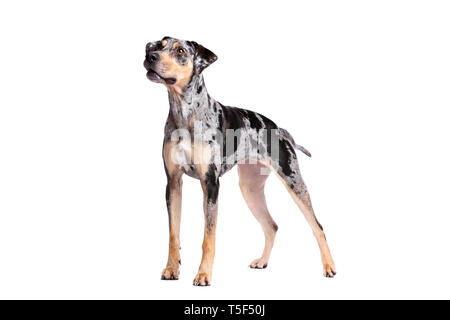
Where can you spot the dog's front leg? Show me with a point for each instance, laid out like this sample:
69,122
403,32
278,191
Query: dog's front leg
173,199
210,187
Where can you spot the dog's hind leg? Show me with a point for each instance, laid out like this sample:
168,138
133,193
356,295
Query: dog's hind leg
288,171
251,182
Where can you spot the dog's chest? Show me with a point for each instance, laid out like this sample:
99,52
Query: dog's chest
182,155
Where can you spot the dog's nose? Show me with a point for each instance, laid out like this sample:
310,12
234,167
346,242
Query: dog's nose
153,57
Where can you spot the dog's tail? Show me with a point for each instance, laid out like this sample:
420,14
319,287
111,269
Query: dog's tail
284,133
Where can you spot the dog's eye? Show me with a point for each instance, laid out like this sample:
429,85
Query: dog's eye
180,51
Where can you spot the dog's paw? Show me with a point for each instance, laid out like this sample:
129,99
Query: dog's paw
202,279
259,264
329,270
170,273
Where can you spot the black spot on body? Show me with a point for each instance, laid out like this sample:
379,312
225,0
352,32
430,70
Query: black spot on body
235,143
233,118
269,124
255,123
199,89
220,118
286,154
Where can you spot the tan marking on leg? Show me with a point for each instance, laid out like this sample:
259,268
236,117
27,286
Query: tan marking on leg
171,272
174,186
252,184
304,203
204,274
202,157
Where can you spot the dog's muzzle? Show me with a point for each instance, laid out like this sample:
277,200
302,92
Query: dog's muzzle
150,65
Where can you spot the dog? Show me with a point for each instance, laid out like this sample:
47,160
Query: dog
204,139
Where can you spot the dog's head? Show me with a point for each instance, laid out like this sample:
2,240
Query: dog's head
173,62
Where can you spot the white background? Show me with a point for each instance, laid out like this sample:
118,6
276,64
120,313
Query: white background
364,85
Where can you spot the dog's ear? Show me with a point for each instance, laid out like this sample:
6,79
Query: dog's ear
202,57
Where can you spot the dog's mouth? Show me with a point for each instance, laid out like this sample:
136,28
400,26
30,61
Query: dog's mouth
152,75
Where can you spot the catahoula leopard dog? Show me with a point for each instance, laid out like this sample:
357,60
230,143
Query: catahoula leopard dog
204,139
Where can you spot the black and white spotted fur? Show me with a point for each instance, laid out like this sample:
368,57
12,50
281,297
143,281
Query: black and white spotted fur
257,139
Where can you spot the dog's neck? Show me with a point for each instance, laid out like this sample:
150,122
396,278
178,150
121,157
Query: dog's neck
190,104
